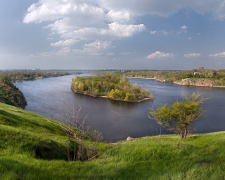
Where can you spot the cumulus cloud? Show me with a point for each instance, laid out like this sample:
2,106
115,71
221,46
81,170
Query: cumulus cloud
82,20
107,20
160,55
192,55
218,55
67,42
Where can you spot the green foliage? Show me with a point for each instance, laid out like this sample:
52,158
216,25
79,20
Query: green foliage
11,95
112,86
179,116
200,157
40,137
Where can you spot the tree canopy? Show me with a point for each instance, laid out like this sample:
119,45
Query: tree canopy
112,86
179,116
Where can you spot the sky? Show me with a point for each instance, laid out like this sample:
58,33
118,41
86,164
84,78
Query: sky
118,34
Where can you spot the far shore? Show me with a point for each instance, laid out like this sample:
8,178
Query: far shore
140,78
177,83
107,97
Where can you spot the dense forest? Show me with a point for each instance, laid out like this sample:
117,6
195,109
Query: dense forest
111,86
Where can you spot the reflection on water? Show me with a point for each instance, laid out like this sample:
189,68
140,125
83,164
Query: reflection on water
118,120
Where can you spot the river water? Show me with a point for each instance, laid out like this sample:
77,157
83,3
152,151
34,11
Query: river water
118,120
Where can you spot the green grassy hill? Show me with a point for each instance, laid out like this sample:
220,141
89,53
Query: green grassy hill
35,147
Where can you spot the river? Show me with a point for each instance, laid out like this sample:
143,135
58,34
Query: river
118,120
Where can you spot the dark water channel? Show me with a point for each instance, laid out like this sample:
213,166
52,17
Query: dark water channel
118,120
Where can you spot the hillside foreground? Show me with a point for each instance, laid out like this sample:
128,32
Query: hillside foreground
34,147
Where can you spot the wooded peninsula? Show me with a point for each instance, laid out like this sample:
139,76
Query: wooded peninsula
195,77
110,86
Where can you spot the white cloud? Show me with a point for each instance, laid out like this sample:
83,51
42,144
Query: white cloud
81,20
97,47
192,55
121,30
107,20
163,32
183,27
166,32
218,55
65,50
67,42
159,55
119,16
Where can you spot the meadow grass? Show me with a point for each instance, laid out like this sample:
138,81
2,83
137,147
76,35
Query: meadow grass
200,156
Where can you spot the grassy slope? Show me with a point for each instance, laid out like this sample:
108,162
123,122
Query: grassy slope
161,157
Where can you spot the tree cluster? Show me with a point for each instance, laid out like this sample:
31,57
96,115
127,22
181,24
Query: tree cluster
113,86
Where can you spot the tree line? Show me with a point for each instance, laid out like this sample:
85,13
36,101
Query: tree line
218,76
29,75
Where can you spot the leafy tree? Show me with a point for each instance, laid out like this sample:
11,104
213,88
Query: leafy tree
179,116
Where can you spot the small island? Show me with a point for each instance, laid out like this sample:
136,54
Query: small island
110,86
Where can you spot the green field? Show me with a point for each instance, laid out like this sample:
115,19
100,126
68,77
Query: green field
34,147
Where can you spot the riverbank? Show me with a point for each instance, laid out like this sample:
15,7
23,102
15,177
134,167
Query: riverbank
10,94
187,82
34,147
107,97
140,78
198,83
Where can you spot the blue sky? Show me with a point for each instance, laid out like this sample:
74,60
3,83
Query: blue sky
120,34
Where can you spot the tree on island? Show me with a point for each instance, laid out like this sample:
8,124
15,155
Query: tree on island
112,86
179,116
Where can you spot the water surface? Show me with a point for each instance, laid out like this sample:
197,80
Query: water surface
118,120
